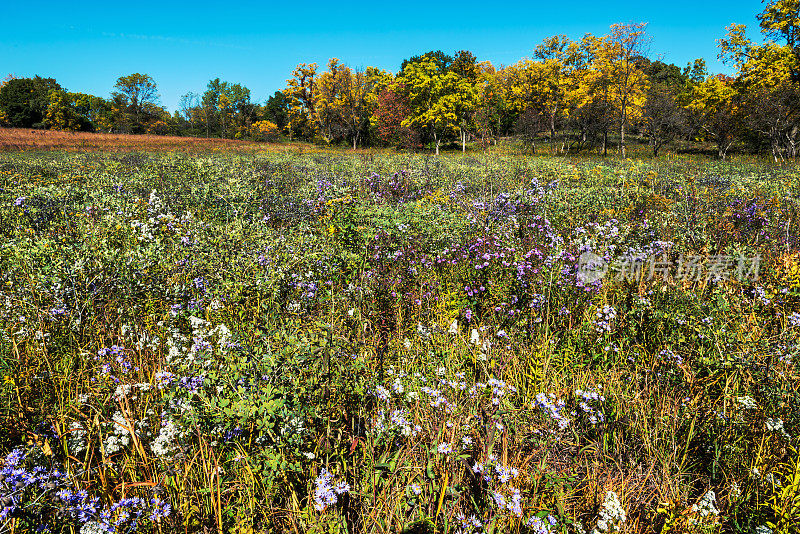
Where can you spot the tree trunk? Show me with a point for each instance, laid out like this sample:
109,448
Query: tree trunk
723,149
622,138
463,141
436,142
791,142
605,142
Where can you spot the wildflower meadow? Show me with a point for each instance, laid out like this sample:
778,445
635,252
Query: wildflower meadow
322,341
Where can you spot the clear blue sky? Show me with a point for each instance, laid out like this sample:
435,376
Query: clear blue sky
86,46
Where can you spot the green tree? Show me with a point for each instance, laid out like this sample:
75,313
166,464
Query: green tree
441,60
135,95
696,72
189,112
277,110
24,101
465,64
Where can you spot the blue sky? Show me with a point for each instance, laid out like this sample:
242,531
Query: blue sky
86,46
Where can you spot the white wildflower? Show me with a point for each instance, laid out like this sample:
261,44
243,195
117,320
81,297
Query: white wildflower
707,505
747,402
611,515
167,439
475,337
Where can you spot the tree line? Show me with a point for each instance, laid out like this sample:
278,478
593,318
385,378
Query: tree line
223,110
588,94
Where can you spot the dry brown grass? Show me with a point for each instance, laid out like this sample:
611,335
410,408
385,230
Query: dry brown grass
15,139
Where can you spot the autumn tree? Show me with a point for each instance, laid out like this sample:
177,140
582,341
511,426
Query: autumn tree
590,104
64,113
433,98
781,20
466,102
300,92
493,117
620,56
391,110
359,100
329,99
520,87
559,57
715,103
766,75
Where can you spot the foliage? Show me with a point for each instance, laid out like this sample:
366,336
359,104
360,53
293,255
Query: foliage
24,101
135,97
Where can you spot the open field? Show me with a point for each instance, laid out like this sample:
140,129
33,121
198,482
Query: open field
16,139
375,342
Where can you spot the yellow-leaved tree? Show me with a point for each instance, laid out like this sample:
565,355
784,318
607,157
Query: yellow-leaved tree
433,98
766,79
559,58
617,60
344,100
714,100
299,92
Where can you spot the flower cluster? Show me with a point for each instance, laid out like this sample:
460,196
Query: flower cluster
611,515
594,414
605,318
38,492
747,402
541,525
468,525
326,493
670,357
552,407
705,509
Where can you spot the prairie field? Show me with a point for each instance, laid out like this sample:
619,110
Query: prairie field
285,339
23,139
